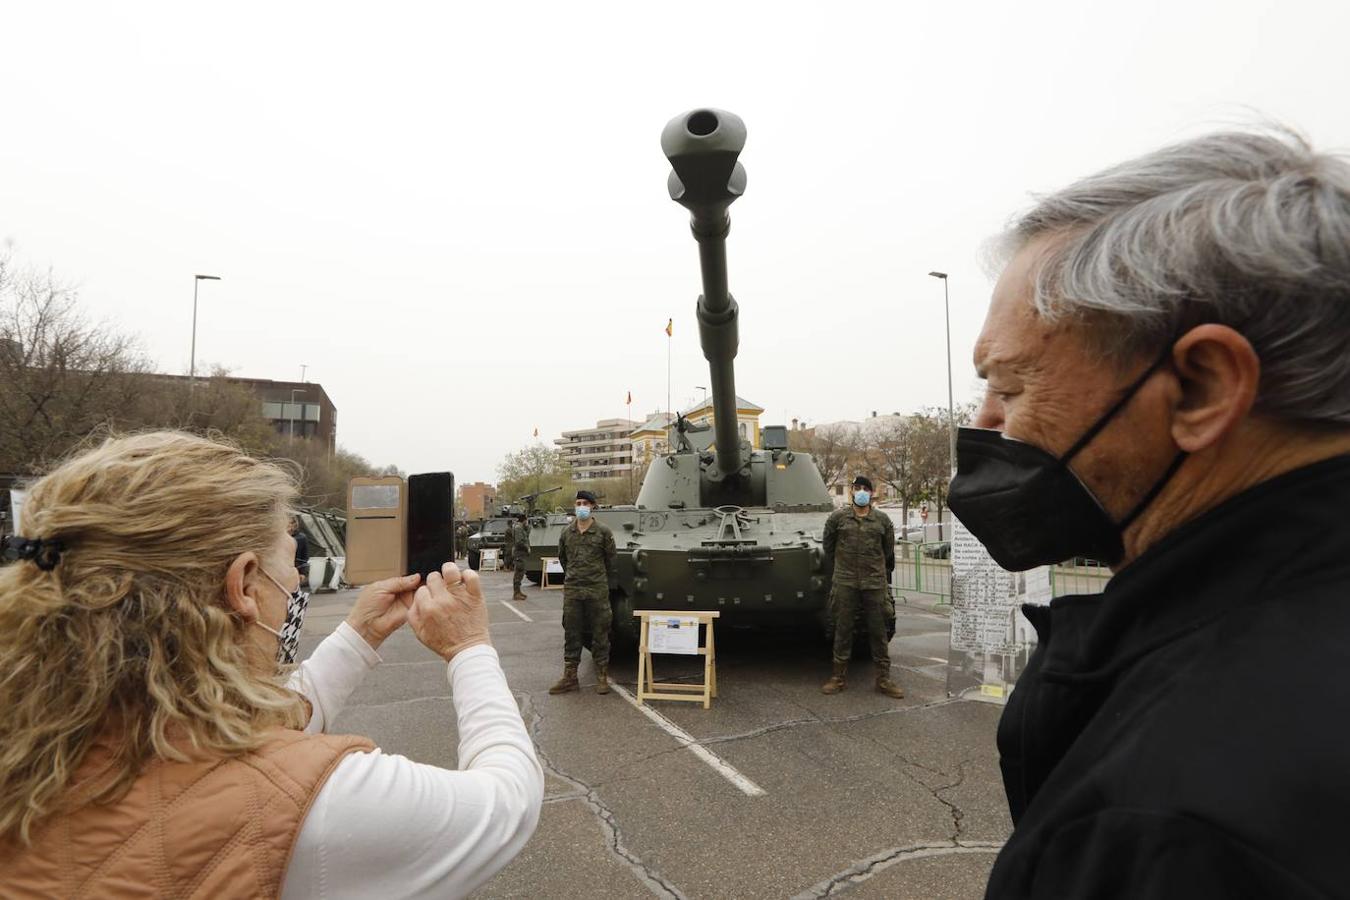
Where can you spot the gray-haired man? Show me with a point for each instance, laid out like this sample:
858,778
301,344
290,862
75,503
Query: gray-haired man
1169,390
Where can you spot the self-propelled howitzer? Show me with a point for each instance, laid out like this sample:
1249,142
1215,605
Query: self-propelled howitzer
729,527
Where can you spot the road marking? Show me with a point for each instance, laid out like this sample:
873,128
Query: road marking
516,611
719,765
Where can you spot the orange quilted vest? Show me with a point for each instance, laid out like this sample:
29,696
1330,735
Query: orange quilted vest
215,828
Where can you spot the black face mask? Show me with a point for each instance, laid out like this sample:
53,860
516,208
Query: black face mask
1028,508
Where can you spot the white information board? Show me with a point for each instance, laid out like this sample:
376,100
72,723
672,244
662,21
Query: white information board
990,638
673,634
553,566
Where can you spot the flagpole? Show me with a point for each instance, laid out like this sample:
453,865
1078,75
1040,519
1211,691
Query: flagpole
632,456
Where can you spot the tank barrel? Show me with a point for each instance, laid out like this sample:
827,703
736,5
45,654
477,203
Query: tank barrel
706,179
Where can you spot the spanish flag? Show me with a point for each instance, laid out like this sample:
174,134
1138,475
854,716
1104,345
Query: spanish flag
630,398
536,432
670,327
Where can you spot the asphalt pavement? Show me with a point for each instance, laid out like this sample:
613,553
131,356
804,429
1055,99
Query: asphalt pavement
776,791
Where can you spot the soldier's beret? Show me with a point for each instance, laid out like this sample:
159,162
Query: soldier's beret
863,481
586,495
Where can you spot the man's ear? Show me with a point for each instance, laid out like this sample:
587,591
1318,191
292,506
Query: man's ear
1219,373
240,581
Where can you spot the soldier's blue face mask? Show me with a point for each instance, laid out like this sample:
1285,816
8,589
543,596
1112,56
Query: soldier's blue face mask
583,512
1028,508
861,497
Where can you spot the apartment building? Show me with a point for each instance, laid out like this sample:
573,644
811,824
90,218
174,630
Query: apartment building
604,450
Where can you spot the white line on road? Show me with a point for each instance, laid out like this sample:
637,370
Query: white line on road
719,765
516,611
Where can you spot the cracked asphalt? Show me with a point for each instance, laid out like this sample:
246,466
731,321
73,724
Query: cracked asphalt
864,796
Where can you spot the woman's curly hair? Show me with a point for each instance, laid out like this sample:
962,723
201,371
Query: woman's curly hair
129,640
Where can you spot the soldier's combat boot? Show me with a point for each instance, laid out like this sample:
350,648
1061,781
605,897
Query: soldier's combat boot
886,686
568,681
602,679
519,595
836,682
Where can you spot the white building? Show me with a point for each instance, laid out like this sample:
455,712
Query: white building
604,450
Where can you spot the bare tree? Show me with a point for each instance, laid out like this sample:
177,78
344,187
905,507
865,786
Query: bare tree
892,456
833,448
61,377
931,440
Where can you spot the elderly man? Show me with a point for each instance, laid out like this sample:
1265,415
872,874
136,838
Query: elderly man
1169,391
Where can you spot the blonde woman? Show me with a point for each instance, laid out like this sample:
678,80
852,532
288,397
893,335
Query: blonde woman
150,742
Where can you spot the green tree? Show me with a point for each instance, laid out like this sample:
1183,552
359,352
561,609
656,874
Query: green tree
530,470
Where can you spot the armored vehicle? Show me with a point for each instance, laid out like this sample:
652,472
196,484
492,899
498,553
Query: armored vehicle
546,528
721,526
491,534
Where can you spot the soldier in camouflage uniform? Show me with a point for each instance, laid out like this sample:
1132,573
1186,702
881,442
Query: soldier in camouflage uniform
508,552
586,551
861,541
520,543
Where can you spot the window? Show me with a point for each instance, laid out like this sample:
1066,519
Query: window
375,496
742,430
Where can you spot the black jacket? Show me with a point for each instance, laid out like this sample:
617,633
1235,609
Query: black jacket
301,552
1187,733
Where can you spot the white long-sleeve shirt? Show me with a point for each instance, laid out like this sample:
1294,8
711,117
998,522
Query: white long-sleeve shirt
385,826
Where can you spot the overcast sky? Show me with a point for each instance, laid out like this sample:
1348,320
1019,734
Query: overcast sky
456,214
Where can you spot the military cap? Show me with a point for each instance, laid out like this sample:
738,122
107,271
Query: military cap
586,495
863,481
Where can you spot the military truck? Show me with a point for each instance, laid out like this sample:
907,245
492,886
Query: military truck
720,526
491,534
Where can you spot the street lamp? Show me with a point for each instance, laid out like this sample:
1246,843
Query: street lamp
293,393
951,414
192,366
699,387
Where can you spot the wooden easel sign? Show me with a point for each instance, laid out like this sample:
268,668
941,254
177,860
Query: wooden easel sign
676,632
488,560
552,575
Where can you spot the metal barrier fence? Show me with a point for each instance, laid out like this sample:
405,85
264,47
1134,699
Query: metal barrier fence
923,569
926,569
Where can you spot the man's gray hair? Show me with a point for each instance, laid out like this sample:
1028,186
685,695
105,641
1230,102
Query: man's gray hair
1250,230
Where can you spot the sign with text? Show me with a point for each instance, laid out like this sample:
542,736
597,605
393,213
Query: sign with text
674,634
991,640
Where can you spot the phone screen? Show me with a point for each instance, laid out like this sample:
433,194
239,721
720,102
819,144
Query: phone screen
431,522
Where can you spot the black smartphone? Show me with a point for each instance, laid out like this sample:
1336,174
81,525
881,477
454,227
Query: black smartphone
431,522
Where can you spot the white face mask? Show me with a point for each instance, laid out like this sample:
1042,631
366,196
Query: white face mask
583,512
288,638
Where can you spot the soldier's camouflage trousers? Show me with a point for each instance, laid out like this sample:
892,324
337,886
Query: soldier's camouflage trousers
848,603
520,571
580,616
